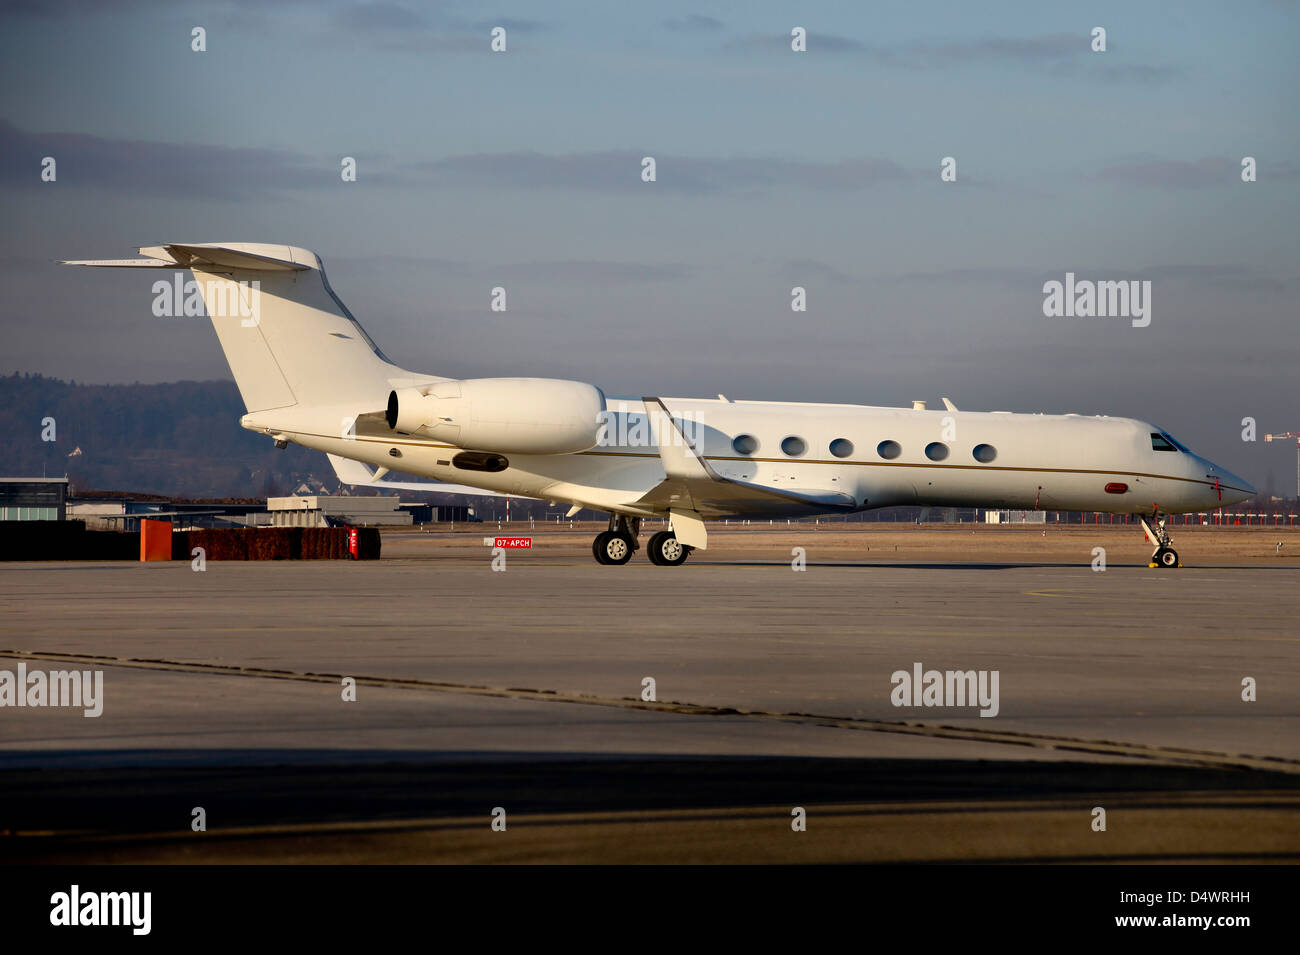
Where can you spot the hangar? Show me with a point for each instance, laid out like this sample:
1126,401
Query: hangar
33,499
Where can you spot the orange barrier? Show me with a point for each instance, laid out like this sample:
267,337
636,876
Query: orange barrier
155,540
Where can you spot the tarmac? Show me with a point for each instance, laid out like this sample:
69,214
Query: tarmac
524,690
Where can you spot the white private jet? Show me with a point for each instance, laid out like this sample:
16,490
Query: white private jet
308,373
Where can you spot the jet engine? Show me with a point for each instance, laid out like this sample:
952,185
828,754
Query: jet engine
511,415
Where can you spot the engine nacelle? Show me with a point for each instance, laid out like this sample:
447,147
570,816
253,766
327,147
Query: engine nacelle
512,415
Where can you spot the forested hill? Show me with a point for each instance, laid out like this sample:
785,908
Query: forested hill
181,439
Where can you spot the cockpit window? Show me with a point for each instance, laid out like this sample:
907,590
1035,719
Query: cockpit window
1162,442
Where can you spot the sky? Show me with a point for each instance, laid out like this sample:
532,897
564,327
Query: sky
774,169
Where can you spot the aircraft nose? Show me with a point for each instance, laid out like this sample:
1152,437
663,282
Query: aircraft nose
1233,488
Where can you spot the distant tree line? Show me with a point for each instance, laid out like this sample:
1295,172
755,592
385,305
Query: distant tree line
177,439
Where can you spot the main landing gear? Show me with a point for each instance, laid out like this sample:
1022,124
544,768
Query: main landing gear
616,545
666,550
1164,554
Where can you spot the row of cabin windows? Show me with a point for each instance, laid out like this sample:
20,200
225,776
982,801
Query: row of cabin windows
794,446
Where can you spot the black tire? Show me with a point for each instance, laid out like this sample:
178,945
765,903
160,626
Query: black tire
612,548
1167,557
652,548
666,551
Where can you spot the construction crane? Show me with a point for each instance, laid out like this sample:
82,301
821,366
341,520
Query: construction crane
1284,436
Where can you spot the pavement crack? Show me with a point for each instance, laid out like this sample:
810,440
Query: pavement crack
1143,751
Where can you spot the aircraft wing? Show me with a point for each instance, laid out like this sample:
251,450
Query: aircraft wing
360,475
691,483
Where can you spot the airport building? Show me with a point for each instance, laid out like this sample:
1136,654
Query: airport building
1015,517
125,514
440,513
330,510
309,510
33,499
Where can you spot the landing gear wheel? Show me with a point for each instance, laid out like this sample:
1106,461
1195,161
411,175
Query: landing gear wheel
1156,530
612,548
666,550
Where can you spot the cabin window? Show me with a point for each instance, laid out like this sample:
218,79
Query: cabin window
889,450
1160,443
984,453
841,447
936,450
794,446
745,444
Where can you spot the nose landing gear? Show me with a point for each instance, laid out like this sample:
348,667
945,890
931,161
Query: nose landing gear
1164,555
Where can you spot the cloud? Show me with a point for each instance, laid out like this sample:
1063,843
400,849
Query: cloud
1210,172
79,9
566,271
393,26
593,272
1227,278
1055,46
63,9
152,168
976,276
620,171
929,55
374,18
695,23
804,270
184,170
780,43
1058,54
512,25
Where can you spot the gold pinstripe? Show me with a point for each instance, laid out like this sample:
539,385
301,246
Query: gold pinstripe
838,461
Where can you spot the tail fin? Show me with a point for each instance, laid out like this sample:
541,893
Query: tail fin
287,337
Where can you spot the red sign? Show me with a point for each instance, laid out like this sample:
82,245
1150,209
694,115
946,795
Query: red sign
352,543
523,542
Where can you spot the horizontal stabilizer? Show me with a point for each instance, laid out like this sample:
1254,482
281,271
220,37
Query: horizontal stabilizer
210,257
123,263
